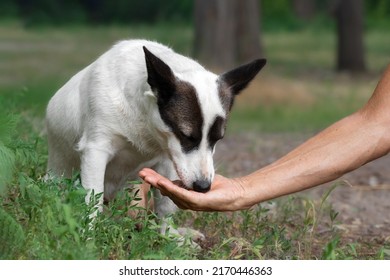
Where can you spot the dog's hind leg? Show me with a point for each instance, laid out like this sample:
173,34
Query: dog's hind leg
63,160
142,205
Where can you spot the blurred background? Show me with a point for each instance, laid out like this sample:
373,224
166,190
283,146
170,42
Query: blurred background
324,57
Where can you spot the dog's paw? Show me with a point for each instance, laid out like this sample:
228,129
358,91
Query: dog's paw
184,236
192,234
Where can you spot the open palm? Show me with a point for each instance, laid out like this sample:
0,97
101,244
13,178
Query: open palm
225,194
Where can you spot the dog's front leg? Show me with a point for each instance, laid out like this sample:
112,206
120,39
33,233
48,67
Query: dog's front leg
165,207
93,167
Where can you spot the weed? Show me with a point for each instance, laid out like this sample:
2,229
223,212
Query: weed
11,235
330,250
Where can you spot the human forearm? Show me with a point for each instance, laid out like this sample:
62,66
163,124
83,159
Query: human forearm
344,146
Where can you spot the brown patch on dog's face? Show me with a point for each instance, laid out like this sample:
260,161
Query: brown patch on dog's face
182,113
177,102
216,131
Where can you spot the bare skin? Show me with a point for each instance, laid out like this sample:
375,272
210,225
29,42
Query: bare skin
342,147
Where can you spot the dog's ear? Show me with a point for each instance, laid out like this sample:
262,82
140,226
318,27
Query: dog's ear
238,78
160,75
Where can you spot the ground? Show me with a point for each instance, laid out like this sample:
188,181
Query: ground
361,197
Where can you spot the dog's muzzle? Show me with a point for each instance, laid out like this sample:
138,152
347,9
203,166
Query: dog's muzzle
201,186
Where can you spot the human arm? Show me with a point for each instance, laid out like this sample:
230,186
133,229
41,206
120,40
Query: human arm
342,147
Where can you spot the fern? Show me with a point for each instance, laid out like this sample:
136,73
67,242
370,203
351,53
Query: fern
7,155
8,123
7,162
11,235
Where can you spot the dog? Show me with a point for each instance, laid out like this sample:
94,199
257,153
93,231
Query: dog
140,105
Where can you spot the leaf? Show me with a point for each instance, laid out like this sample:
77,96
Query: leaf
326,195
11,235
7,156
7,163
8,125
330,250
136,182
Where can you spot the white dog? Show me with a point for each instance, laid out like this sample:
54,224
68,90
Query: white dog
141,105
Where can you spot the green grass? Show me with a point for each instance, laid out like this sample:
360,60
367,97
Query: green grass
36,62
49,220
301,116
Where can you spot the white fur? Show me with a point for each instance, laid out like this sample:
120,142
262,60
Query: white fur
105,121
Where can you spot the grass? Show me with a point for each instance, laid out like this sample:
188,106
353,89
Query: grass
298,91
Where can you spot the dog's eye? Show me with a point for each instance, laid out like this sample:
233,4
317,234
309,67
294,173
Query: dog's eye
217,131
192,138
189,142
188,136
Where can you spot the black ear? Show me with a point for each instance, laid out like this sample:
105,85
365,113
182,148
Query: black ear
160,76
238,78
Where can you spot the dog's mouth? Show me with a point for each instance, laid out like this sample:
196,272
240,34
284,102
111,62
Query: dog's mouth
198,187
180,183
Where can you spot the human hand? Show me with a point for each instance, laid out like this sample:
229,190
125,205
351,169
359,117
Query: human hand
225,194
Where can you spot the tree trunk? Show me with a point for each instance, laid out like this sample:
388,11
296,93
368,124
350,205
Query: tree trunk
227,32
248,44
350,49
304,9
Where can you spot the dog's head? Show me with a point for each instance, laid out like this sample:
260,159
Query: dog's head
193,109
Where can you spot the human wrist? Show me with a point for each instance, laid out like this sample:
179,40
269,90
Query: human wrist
245,195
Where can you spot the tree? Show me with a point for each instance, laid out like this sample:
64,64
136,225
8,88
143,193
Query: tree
227,32
304,9
350,49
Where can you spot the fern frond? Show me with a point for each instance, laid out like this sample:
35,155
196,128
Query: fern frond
7,156
8,124
11,235
7,163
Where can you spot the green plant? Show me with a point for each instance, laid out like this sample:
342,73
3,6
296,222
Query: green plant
12,236
330,250
7,154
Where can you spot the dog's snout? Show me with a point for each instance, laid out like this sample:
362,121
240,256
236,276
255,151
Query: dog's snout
201,186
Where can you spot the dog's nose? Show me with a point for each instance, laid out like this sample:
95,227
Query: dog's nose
201,186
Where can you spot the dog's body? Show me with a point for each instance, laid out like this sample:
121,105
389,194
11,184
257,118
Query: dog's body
129,110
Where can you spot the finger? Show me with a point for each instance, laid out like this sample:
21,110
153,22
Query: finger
167,188
147,172
185,199
150,176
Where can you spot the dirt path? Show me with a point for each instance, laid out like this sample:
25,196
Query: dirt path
362,199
